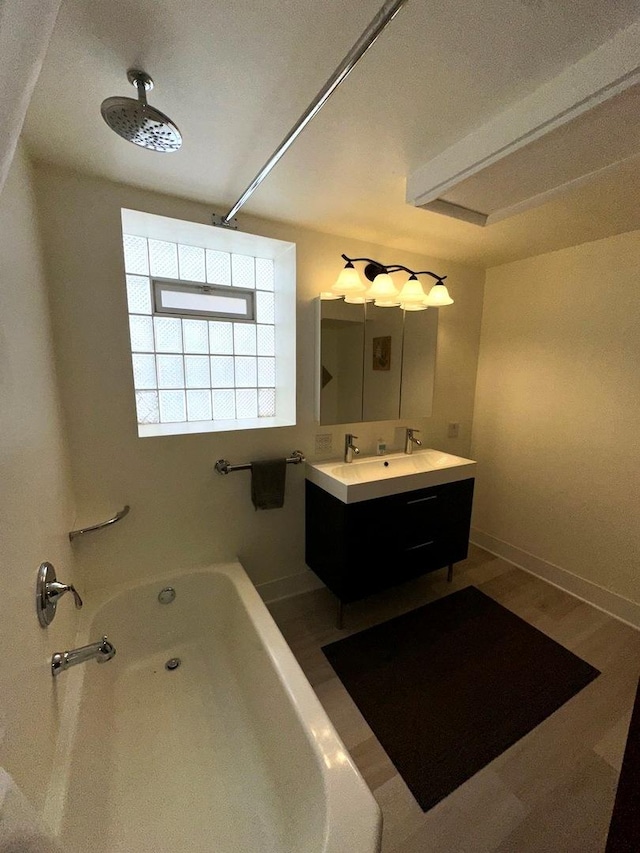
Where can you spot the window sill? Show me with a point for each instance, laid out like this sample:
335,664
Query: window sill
195,427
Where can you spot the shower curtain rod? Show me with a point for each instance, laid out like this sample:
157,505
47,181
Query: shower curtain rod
385,15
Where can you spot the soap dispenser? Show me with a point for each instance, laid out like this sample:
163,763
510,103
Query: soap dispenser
381,447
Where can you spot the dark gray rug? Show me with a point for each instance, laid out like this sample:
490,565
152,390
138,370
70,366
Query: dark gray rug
448,687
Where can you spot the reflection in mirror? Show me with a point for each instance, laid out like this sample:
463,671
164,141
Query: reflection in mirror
382,363
341,354
418,363
374,370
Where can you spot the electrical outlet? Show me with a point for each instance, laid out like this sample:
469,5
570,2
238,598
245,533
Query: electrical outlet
454,430
324,443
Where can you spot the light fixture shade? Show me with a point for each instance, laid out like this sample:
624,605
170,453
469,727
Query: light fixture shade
357,298
412,293
349,281
414,306
383,291
325,295
438,296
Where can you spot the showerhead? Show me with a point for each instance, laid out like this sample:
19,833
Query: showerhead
138,122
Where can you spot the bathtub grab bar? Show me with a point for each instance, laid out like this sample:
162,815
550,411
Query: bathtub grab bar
116,517
223,466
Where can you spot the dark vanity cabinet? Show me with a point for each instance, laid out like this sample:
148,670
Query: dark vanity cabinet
360,548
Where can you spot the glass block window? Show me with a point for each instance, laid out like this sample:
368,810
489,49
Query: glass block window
203,335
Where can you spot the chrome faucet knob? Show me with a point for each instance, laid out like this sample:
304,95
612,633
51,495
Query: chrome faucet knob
49,591
55,590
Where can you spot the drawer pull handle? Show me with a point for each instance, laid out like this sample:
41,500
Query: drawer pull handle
422,545
422,500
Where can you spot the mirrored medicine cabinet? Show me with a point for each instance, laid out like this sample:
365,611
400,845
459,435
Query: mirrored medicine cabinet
374,364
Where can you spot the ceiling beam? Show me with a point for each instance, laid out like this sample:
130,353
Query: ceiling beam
598,76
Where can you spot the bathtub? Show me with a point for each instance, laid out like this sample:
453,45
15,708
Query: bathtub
231,752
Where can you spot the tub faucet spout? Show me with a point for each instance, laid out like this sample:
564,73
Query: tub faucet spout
102,651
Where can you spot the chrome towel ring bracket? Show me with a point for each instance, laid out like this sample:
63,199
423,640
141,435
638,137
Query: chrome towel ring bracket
117,517
49,591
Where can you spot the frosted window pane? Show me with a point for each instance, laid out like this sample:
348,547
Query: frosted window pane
247,403
218,267
172,407
170,371
266,340
266,403
220,338
138,294
196,336
266,372
199,405
224,405
222,372
136,260
163,258
191,263
147,407
144,371
168,332
264,307
243,271
197,371
264,274
246,374
141,330
244,339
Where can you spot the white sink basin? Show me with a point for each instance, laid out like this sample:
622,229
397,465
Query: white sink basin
378,476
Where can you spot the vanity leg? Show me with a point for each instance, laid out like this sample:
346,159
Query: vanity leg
340,615
450,573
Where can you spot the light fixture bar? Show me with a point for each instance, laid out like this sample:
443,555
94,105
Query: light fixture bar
389,268
385,15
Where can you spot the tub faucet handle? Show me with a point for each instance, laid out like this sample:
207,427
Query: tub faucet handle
55,591
49,591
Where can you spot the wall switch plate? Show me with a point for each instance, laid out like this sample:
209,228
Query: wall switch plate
324,443
454,430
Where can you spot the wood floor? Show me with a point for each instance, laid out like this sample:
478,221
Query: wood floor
553,791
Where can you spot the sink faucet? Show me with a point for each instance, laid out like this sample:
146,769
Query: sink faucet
102,651
350,450
410,440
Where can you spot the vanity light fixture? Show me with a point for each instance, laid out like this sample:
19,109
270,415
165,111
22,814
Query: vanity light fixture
382,291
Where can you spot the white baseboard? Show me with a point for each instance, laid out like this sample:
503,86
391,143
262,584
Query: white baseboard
615,605
296,584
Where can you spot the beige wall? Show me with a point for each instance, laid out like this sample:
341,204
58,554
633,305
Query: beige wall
35,502
556,424
182,512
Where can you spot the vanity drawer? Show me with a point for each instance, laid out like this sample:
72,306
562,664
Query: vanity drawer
420,515
437,513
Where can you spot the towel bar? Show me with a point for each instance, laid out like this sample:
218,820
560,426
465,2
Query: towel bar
223,466
116,517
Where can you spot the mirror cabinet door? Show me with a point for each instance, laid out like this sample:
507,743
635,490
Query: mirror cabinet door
376,364
341,365
382,363
418,363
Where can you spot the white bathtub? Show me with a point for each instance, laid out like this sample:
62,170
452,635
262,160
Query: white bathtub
229,753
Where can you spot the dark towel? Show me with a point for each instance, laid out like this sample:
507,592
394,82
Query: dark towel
267,483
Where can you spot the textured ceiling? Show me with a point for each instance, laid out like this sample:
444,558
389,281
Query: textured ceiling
235,76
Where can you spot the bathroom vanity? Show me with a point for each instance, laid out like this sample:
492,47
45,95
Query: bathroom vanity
377,522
